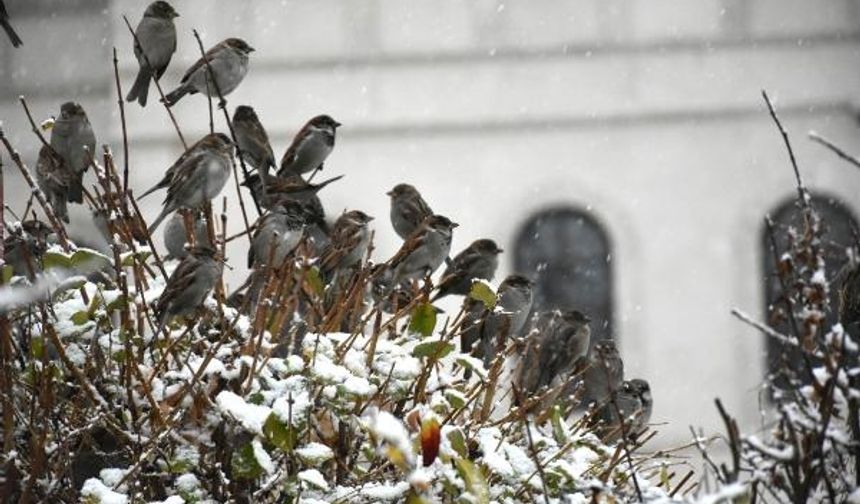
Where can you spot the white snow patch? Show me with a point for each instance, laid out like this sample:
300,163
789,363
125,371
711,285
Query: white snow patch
94,488
250,416
315,453
313,477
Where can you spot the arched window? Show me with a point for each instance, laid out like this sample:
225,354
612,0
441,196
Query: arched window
568,255
839,227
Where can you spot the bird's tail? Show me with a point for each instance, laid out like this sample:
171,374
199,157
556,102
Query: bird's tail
140,88
149,191
164,213
16,40
61,209
328,181
177,94
76,189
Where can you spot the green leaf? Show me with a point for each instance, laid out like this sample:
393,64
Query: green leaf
89,260
455,399
476,483
559,429
314,279
127,259
433,349
256,398
81,317
8,273
278,434
423,319
119,303
55,260
244,463
37,347
458,442
482,292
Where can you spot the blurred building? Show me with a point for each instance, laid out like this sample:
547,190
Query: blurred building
620,151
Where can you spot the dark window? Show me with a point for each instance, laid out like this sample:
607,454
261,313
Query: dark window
839,230
568,255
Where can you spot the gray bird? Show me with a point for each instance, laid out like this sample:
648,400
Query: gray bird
556,344
73,139
635,404
176,236
252,140
408,209
348,243
605,371
291,187
229,62
4,22
478,261
25,245
849,296
310,147
54,179
507,319
197,177
277,235
188,285
154,47
424,251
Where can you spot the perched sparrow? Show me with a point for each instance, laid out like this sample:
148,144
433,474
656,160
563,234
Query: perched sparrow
252,140
73,139
155,45
350,238
4,22
176,237
188,285
849,297
556,344
311,146
53,180
478,260
635,404
277,235
515,296
25,245
278,189
424,251
229,63
408,209
605,371
197,177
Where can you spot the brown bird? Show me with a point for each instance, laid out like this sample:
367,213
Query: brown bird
408,209
229,63
252,140
558,342
311,146
54,180
154,47
350,238
188,285
424,251
478,261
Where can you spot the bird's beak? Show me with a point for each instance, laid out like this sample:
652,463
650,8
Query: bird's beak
390,193
454,224
337,124
499,251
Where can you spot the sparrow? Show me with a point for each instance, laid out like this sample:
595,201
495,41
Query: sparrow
53,179
197,176
605,371
188,285
291,187
277,235
408,209
348,243
4,21
478,260
176,237
514,302
154,46
634,402
558,342
849,297
424,251
311,146
25,245
229,62
73,139
252,140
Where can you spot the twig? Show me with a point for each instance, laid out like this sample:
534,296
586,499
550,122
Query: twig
801,190
815,137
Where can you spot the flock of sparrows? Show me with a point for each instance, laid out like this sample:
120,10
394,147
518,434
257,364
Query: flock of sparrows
556,345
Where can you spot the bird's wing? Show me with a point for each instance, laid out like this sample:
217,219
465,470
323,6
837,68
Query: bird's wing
416,210
183,174
210,55
409,246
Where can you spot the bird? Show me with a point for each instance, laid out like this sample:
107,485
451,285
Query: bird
73,139
252,140
849,296
408,209
348,243
291,187
25,245
424,251
197,177
54,179
514,302
310,147
277,235
605,371
155,43
229,63
188,285
4,21
176,236
477,261
558,342
633,400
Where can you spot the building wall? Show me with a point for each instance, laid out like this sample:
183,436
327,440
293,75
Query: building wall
646,113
